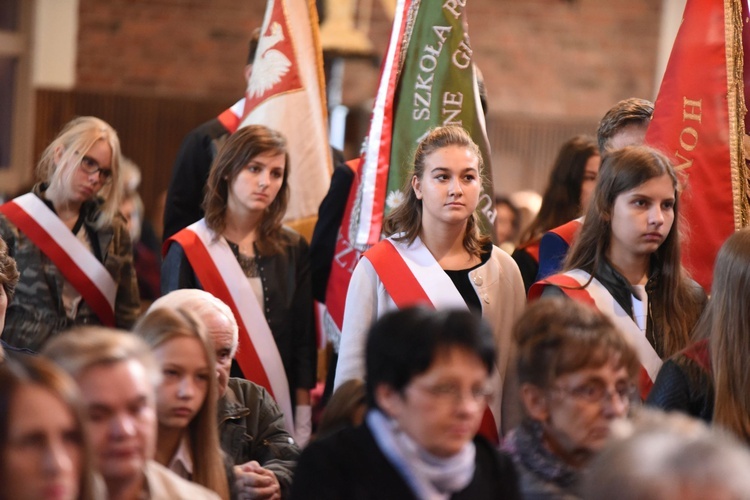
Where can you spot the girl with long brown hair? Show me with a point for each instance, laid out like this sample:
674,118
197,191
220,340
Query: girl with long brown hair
571,183
44,449
711,378
242,254
626,260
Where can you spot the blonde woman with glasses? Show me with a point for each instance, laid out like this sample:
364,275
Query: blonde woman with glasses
69,241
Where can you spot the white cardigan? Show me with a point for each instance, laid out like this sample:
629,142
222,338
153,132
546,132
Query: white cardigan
500,289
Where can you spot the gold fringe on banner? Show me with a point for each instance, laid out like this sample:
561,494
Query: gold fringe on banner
733,23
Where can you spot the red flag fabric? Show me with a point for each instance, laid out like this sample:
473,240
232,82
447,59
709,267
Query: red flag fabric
699,123
372,182
286,92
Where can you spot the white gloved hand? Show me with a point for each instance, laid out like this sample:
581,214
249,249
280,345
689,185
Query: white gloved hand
302,424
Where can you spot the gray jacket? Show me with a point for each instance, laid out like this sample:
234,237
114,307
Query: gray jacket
251,427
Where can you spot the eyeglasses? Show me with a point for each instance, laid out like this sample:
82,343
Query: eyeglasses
595,391
452,393
90,166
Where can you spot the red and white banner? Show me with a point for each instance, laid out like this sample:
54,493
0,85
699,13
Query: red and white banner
286,92
76,262
367,193
699,123
220,274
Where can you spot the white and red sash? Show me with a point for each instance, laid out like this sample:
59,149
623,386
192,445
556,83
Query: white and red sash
220,274
412,276
569,231
597,295
231,118
76,262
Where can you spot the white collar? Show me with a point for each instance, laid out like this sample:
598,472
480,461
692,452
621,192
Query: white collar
182,463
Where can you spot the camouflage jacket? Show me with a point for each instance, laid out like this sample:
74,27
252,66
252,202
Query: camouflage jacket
37,311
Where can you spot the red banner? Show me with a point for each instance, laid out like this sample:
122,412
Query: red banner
699,123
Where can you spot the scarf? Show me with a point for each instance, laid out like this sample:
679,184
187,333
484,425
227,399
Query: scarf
428,476
526,444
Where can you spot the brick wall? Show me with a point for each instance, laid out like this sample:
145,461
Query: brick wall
550,66
181,48
570,58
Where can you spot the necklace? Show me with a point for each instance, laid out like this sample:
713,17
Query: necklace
249,265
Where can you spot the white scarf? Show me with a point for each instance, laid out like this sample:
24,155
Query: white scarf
428,476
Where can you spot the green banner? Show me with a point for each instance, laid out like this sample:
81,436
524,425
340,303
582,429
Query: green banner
436,87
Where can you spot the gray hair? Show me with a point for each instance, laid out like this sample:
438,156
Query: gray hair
663,456
202,304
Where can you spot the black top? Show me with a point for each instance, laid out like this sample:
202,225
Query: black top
190,175
528,266
682,385
349,465
462,282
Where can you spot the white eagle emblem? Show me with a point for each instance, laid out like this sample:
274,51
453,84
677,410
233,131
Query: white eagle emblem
270,64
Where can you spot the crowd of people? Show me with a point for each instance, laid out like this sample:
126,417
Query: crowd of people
463,372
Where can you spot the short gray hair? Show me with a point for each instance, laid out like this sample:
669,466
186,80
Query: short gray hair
201,303
661,455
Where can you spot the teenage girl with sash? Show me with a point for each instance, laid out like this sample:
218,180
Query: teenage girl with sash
241,253
626,260
435,255
711,378
188,437
69,241
571,183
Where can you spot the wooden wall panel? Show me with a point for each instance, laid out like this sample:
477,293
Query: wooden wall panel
150,128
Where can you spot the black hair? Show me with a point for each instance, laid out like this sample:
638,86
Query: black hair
405,343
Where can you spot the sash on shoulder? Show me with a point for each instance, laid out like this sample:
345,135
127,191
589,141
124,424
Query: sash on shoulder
412,277
569,231
76,262
596,294
220,274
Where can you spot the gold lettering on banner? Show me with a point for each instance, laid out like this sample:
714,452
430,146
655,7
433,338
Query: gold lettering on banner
452,108
462,55
454,7
692,111
428,62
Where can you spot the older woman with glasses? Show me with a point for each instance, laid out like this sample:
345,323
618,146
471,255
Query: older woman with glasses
69,240
427,387
577,374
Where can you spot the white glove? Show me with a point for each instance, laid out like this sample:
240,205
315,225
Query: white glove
302,424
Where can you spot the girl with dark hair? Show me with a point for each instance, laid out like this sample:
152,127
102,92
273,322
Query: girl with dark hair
571,183
710,379
241,253
626,259
435,255
44,450
70,243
